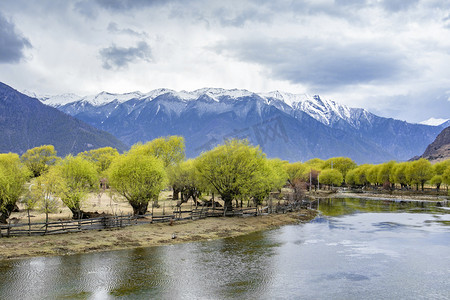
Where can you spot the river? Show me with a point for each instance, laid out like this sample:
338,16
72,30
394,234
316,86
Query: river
355,249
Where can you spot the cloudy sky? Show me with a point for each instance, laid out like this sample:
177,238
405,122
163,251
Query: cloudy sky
391,57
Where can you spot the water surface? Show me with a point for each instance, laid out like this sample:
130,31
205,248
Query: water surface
356,249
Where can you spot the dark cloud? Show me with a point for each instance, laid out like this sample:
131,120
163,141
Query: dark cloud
115,57
398,5
319,64
12,44
86,8
114,28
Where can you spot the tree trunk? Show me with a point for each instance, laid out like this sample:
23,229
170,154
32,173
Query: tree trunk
175,193
3,218
6,212
140,209
76,213
227,202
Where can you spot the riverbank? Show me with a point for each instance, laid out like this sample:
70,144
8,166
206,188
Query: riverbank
391,197
145,235
378,196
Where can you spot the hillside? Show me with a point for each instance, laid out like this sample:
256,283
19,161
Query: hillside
26,123
439,150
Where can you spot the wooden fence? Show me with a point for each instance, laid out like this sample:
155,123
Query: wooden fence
178,214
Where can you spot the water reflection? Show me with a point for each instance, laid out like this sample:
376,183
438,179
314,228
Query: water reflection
355,249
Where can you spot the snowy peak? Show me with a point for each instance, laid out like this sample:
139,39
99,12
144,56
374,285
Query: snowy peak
434,121
59,100
105,98
327,112
288,98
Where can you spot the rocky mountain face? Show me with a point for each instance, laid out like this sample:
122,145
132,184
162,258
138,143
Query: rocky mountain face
26,123
289,126
439,149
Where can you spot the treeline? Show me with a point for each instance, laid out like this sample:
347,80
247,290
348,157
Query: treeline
236,171
339,171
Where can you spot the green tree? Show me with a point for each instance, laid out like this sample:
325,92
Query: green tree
231,169
440,167
77,178
44,191
358,176
295,171
372,174
138,178
446,176
169,149
398,174
272,177
343,164
331,177
101,157
419,172
13,175
437,181
384,175
39,159
315,163
183,177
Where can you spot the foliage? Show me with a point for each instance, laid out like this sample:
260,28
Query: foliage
183,177
43,192
295,171
39,159
440,167
315,163
343,164
272,176
372,174
331,177
139,178
358,176
398,174
13,175
101,157
446,176
169,149
77,177
437,181
419,172
232,169
385,171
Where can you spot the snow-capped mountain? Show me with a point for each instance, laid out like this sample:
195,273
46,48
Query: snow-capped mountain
306,126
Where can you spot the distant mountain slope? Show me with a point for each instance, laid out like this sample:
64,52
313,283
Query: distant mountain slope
439,149
26,123
315,127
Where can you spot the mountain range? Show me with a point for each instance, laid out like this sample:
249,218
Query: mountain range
288,126
26,123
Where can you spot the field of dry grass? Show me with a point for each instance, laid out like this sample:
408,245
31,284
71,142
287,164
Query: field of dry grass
135,236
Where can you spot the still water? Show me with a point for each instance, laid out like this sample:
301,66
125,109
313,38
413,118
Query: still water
356,249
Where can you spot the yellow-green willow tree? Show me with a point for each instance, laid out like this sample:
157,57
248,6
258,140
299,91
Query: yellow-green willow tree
13,175
233,170
138,178
39,159
77,178
331,177
101,157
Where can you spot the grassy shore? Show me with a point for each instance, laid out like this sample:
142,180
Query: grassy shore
145,235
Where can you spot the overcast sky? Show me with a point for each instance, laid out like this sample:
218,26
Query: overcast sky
391,57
